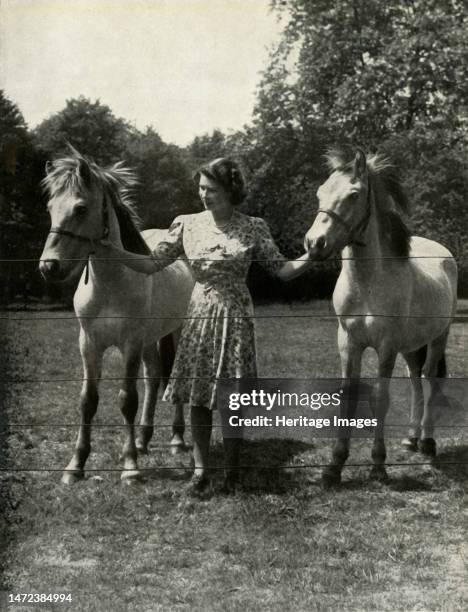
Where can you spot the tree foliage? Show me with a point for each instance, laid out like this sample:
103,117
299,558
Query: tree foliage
90,127
21,208
388,76
371,69
165,188
207,147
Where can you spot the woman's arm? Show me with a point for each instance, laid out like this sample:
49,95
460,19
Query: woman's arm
139,263
291,269
167,251
271,258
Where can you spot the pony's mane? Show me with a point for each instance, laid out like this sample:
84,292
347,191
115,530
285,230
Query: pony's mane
387,186
78,173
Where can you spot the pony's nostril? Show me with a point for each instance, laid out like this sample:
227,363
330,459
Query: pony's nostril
49,268
320,243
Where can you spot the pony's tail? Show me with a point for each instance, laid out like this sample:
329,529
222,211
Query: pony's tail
421,356
166,347
442,367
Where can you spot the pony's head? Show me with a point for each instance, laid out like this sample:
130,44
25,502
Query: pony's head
346,202
343,206
86,204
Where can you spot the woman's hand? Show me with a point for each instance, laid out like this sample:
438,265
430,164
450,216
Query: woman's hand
294,268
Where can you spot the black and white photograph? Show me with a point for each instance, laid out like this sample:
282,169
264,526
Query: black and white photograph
234,305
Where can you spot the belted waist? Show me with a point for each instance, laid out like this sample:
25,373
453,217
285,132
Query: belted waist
222,285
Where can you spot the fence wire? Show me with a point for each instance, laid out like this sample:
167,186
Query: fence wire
318,315
243,467
187,259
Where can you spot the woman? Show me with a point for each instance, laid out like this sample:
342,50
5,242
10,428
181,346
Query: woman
217,339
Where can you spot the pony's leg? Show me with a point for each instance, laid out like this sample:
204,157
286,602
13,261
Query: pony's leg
415,361
381,401
232,449
92,362
168,345
128,403
351,355
152,374
178,430
435,369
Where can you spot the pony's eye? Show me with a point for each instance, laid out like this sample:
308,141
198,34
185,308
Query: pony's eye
80,211
354,196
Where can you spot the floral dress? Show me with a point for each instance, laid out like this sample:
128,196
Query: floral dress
217,339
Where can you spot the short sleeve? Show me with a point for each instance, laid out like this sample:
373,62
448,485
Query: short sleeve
169,249
267,253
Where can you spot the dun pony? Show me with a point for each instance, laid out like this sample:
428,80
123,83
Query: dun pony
115,306
396,293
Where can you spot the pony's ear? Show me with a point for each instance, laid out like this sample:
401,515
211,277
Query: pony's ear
360,165
49,167
85,172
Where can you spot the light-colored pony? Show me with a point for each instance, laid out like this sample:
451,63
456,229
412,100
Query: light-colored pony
115,306
396,293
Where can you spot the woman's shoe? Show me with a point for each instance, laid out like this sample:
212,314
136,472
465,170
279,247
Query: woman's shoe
231,484
198,483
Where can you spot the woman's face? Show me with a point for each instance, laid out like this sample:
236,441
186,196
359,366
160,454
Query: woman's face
213,195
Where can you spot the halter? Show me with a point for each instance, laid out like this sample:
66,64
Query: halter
92,241
360,227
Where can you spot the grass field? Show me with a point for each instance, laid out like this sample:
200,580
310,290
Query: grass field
283,543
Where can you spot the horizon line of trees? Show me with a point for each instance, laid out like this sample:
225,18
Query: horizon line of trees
389,77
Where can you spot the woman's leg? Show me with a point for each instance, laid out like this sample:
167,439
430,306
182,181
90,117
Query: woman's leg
201,422
232,448
232,442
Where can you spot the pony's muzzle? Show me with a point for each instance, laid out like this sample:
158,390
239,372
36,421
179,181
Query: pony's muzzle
317,247
50,269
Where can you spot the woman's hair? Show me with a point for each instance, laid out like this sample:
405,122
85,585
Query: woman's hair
226,173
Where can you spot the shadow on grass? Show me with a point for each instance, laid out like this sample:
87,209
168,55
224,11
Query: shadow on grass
177,474
453,462
409,483
266,465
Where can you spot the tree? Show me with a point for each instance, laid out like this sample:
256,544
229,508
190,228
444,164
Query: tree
370,69
90,127
165,188
14,139
22,214
388,76
435,173
206,148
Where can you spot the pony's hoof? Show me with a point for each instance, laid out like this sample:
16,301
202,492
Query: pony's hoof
331,477
177,445
177,449
410,444
142,449
428,447
198,483
70,477
378,473
130,477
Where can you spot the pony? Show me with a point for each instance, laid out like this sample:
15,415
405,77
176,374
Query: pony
115,306
395,293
